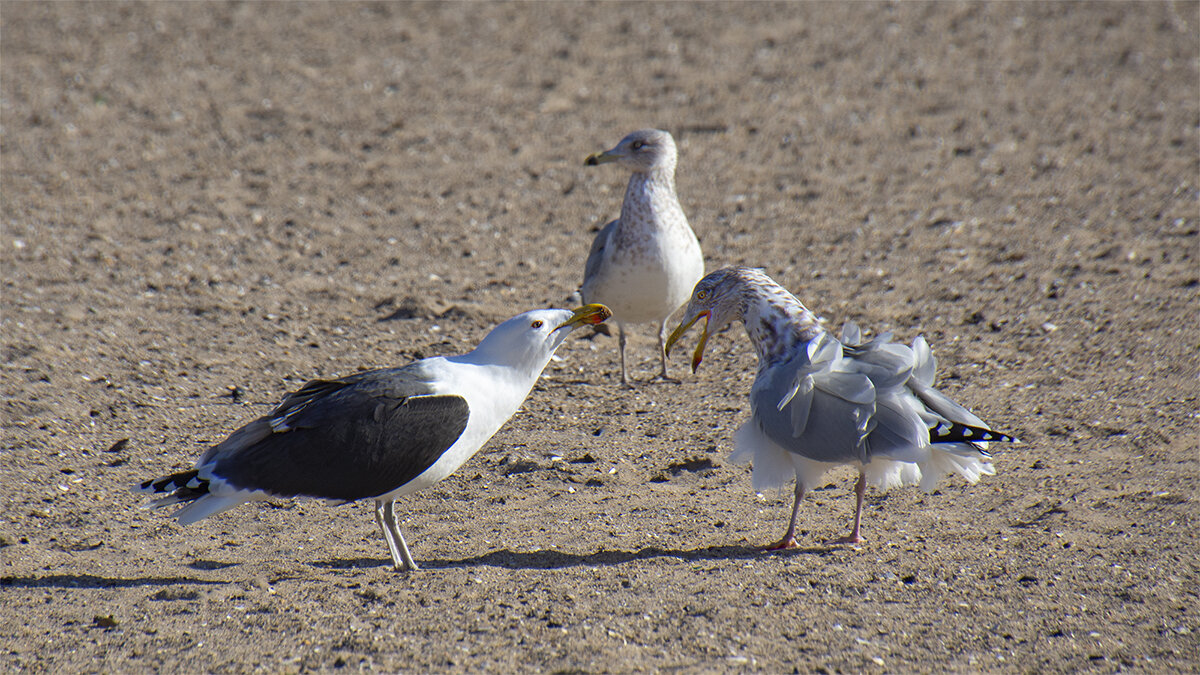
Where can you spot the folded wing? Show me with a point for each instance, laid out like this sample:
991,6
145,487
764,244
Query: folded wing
356,437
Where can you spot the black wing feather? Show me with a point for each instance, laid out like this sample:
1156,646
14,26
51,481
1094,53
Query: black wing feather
953,432
345,439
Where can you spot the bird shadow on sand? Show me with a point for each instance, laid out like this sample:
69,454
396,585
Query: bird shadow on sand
95,581
546,560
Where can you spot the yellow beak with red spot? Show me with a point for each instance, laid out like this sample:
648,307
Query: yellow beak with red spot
588,314
683,328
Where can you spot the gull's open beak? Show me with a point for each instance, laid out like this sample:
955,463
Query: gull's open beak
589,314
683,328
598,158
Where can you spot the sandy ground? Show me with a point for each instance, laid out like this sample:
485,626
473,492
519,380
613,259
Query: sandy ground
200,197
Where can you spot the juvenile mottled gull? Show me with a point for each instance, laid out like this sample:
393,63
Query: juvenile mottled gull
379,434
818,402
644,264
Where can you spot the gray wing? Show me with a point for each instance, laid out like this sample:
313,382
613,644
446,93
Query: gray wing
360,436
595,259
869,400
809,407
937,402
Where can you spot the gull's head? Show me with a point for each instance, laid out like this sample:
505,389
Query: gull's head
528,340
720,299
640,151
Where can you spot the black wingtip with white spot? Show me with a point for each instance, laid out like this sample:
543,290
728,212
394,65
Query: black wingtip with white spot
185,486
953,432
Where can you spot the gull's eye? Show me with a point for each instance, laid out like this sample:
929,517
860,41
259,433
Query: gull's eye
701,295
638,145
536,324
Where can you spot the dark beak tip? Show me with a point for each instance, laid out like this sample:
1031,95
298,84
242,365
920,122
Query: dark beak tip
590,161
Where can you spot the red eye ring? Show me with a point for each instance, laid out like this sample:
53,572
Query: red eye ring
536,324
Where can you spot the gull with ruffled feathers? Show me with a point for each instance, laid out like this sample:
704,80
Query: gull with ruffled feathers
818,402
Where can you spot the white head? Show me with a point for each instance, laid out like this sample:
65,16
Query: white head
641,151
527,340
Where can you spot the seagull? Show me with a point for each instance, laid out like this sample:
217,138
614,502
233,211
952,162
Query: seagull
818,402
379,434
644,264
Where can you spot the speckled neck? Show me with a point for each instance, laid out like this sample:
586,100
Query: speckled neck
776,322
650,199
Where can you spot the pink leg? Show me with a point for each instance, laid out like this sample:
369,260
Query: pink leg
789,537
860,489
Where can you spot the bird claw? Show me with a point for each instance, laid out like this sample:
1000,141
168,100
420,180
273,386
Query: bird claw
784,544
852,538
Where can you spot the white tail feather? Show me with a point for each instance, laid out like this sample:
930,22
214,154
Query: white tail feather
944,460
209,505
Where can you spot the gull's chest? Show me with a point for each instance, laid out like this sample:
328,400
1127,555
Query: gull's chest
649,234
493,394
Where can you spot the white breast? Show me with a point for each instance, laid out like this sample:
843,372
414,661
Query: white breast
650,275
493,395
